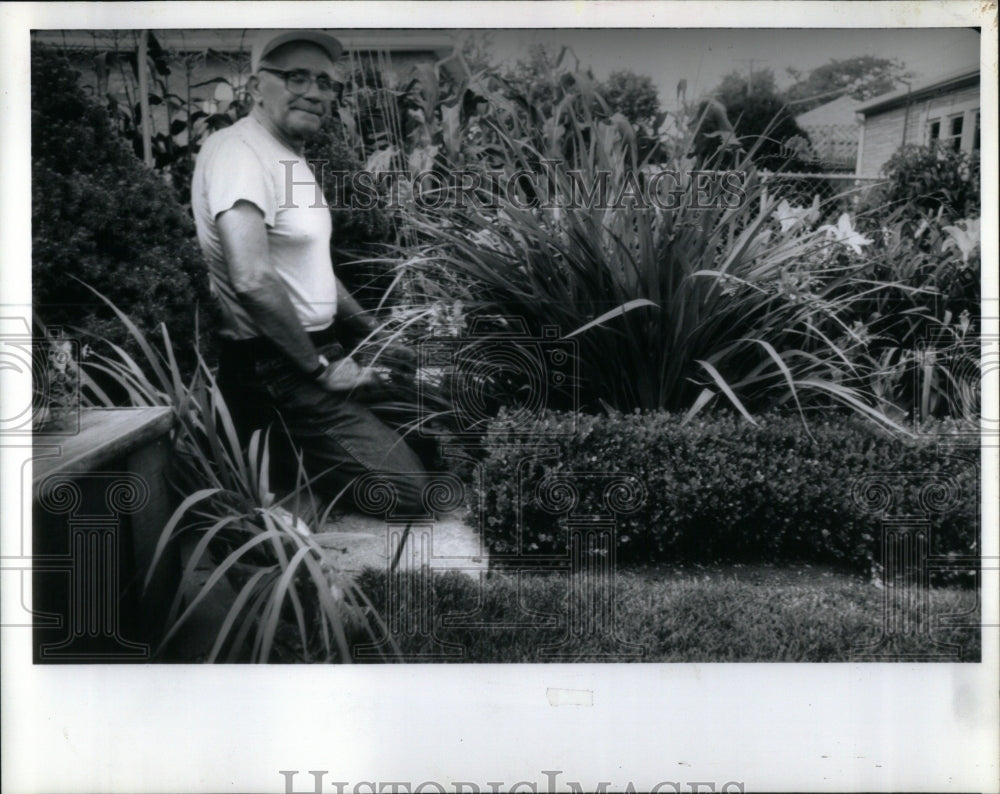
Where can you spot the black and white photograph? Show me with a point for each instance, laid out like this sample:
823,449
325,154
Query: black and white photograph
361,370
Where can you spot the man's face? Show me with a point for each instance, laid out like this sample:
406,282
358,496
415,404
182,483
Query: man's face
295,116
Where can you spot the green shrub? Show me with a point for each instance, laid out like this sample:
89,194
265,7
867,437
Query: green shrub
98,214
928,179
719,488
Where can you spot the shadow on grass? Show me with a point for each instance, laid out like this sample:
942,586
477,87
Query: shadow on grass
673,614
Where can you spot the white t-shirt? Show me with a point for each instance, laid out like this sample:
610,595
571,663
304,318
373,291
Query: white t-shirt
245,162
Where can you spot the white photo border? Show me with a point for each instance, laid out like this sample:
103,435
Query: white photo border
770,727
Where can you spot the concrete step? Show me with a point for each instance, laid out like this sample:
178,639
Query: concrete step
443,545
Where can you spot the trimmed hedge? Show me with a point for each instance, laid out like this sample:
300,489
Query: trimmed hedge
720,489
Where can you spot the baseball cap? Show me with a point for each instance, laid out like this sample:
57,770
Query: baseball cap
267,41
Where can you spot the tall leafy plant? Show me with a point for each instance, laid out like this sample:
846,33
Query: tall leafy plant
291,603
671,308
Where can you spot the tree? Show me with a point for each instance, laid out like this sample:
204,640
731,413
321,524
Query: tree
535,79
737,86
634,96
861,77
761,119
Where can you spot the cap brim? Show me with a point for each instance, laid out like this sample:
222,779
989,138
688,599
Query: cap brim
269,42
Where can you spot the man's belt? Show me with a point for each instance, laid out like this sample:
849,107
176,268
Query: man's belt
324,337
260,347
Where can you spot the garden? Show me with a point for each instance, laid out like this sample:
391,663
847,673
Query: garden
690,414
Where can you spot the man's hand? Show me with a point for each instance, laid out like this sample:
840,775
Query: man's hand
399,358
345,375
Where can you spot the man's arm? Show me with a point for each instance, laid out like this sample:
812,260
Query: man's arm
359,326
244,244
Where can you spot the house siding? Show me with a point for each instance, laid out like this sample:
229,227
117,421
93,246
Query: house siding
194,62
883,132
883,136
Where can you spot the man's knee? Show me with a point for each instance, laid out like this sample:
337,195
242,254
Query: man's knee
392,493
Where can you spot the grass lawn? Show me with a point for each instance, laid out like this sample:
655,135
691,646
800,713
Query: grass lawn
721,613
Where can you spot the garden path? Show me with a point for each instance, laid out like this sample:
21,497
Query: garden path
449,543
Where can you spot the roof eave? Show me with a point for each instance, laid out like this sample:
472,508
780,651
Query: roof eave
899,99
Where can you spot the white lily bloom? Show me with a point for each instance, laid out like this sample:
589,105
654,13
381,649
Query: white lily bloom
966,240
789,217
845,234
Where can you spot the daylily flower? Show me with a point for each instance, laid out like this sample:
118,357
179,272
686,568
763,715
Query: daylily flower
789,217
967,239
60,355
381,160
845,234
422,158
859,332
925,224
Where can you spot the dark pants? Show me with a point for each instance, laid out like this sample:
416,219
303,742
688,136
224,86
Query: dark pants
339,437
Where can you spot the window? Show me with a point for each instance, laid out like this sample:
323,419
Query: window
954,140
958,132
933,132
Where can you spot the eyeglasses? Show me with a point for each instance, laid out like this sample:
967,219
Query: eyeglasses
299,81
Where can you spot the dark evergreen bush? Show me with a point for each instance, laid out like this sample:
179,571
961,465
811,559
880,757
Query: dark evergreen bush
720,489
100,215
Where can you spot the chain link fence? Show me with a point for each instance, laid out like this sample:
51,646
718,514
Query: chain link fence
837,192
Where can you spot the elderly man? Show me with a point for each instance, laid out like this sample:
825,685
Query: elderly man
265,232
